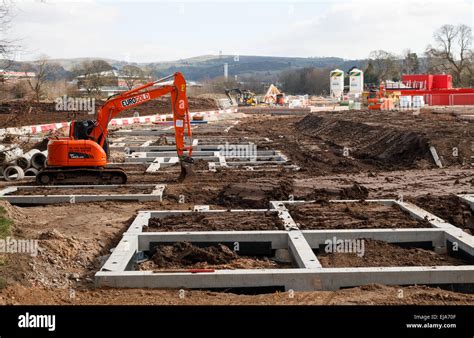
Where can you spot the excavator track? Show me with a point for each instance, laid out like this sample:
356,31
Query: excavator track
58,176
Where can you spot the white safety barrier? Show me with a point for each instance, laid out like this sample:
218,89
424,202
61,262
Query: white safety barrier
115,122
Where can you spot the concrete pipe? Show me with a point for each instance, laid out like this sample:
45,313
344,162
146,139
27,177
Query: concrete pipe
38,160
13,173
31,172
10,155
24,161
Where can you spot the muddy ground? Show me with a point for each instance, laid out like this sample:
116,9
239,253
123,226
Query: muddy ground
363,141
362,215
75,239
222,221
450,208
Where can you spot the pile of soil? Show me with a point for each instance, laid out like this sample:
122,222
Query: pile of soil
355,192
222,221
376,141
184,255
255,193
380,253
323,215
450,208
13,213
386,148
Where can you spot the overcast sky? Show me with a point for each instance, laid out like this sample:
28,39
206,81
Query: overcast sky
153,30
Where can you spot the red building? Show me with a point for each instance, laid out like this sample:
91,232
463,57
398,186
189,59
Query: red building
437,89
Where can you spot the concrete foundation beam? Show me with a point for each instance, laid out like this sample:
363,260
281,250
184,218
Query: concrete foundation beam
310,275
315,238
155,195
290,279
301,251
278,239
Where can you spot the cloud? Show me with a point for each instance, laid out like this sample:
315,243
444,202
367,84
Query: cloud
153,30
353,29
63,29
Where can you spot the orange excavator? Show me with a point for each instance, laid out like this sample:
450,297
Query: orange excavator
82,157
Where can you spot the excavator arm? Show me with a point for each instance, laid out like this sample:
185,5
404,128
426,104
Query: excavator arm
135,97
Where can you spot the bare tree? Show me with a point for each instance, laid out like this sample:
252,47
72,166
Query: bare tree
411,63
149,72
384,65
95,74
132,75
220,84
5,17
452,53
37,82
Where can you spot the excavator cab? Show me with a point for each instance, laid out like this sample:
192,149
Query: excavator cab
81,130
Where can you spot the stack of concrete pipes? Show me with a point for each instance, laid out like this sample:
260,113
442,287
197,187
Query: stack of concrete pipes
17,165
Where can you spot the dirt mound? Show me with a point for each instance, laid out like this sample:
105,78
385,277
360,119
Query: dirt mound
383,147
323,195
51,234
379,253
16,214
184,253
356,192
255,193
64,260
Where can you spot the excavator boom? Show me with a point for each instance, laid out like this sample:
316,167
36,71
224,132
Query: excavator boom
82,157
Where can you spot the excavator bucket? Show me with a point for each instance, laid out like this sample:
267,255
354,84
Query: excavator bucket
187,172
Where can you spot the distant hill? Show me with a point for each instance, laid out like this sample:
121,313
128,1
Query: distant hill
210,66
